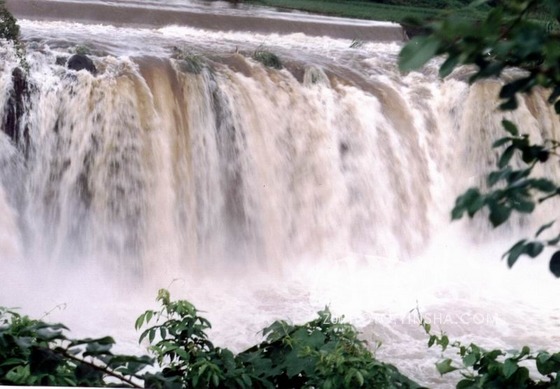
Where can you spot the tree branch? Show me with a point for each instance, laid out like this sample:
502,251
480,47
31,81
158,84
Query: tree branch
103,369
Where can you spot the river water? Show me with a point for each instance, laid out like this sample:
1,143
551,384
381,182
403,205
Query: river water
259,194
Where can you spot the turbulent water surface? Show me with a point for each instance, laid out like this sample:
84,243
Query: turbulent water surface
258,193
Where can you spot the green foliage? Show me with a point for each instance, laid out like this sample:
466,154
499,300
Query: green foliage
324,352
509,36
513,35
267,58
390,10
188,61
33,352
513,189
482,368
9,28
82,50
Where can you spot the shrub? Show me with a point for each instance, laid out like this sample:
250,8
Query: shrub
9,28
188,61
33,352
267,58
496,368
324,352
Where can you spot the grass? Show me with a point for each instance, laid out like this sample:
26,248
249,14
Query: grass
369,10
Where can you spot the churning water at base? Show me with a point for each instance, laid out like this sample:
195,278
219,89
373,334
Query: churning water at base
256,193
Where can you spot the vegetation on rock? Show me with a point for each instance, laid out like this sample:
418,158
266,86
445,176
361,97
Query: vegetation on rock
9,28
267,58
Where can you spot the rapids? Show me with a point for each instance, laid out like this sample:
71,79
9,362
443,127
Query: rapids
260,194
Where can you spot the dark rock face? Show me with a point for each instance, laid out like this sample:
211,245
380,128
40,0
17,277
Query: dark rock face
79,61
411,31
15,109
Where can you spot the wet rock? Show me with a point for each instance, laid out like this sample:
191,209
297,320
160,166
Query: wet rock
61,61
79,62
15,107
411,31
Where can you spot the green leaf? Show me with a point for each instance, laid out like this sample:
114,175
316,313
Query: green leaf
470,202
432,340
520,85
195,379
19,375
470,359
215,380
466,383
544,227
149,315
316,339
495,177
510,127
139,322
553,242
418,52
48,334
534,249
543,185
515,251
554,265
447,67
524,206
96,348
164,297
501,142
106,340
246,380
24,342
542,359
444,342
360,378
509,105
445,366
13,362
506,157
548,363
499,214
509,368
293,363
518,175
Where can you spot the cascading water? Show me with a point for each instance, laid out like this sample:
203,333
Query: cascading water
263,193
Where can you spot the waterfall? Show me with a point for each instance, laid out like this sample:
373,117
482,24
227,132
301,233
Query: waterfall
328,181
218,165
